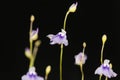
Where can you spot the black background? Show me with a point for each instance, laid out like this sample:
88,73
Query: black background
91,20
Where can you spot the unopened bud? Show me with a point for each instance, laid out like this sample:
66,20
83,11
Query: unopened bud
32,18
73,7
84,44
37,43
48,69
104,38
28,53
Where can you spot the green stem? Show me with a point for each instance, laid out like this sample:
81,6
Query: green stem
65,19
100,77
31,59
106,78
31,62
81,68
46,77
31,42
102,54
31,27
61,53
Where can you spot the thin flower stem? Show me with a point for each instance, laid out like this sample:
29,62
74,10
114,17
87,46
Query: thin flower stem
100,77
46,77
101,59
61,47
31,42
102,54
34,54
65,19
81,68
106,78
31,24
61,53
31,59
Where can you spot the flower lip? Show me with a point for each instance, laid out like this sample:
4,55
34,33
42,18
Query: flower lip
32,72
60,35
105,67
32,75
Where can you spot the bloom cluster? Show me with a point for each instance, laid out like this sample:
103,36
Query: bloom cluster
105,69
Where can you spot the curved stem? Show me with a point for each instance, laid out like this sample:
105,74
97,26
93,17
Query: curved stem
102,54
81,68
65,19
61,53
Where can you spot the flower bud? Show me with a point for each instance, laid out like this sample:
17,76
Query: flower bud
34,34
84,44
28,53
32,18
104,38
37,43
48,69
73,7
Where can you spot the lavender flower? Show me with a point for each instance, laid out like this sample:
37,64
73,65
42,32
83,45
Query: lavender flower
59,38
31,75
105,69
80,58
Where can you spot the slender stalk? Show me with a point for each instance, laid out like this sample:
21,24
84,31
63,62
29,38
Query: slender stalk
61,53
65,19
102,54
34,55
31,42
81,68
104,38
61,47
31,62
46,77
101,59
100,77
106,78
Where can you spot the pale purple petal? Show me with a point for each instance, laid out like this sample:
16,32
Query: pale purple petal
65,42
50,36
98,70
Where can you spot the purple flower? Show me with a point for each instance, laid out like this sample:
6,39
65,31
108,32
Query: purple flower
59,38
80,58
105,70
31,75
